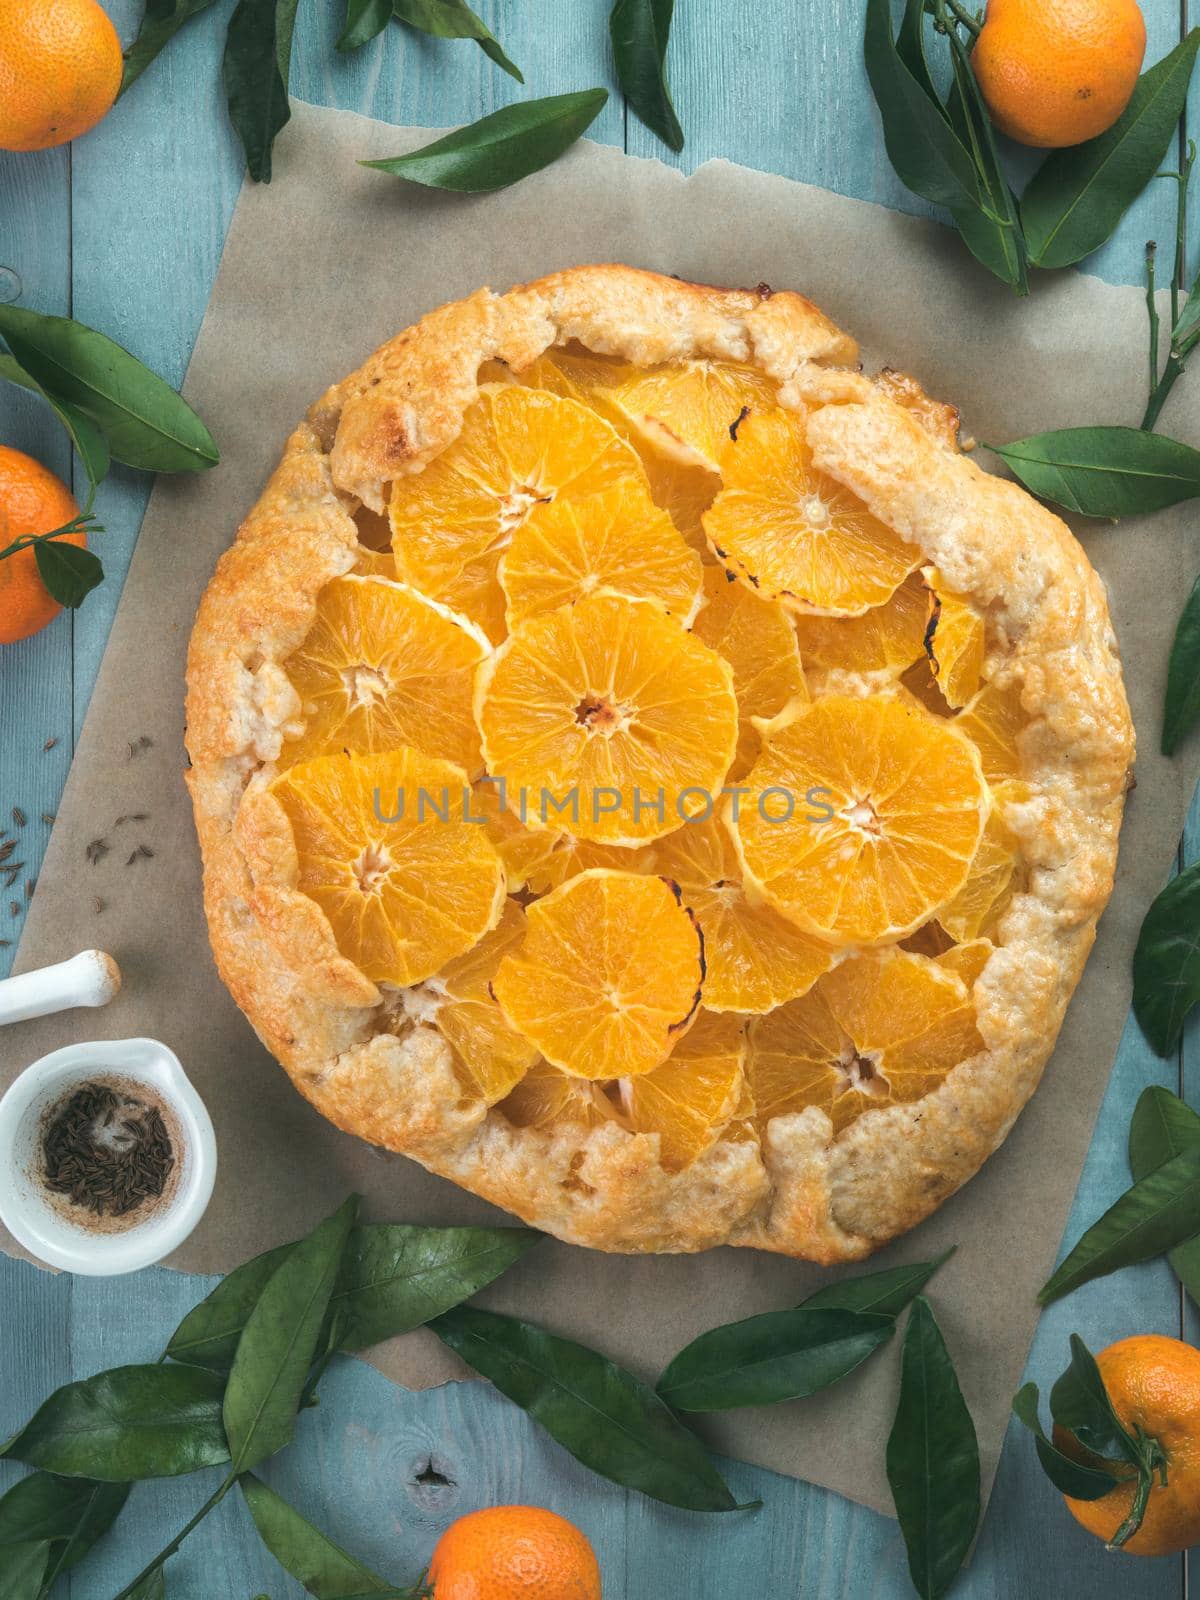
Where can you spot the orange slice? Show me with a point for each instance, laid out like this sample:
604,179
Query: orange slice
615,542
881,1029
757,639
992,719
796,535
477,595
607,976
547,1096
697,855
491,1056
693,409
967,960
689,1099
755,958
954,641
887,806
885,639
605,714
383,667
405,888
983,898
518,450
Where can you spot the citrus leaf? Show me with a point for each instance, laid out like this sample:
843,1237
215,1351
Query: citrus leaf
72,1514
640,30
501,148
89,442
1181,707
1166,961
779,1355
1067,1476
320,1565
256,70
69,572
926,153
1162,1127
129,1423
932,1458
280,1342
152,1587
1105,472
23,1571
161,21
1078,195
910,47
144,421
454,19
886,1292
1079,1403
12,372
992,231
606,1418
365,20
1159,1212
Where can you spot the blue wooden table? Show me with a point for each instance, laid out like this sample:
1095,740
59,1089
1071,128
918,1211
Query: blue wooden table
124,231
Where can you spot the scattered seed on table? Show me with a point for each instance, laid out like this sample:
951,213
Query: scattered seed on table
97,905
14,908
11,874
48,818
5,943
30,886
97,850
7,849
50,743
19,817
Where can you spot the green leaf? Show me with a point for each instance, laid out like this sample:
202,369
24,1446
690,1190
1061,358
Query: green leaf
393,1278
144,421
501,148
1166,961
1076,198
454,19
1181,707
258,49
606,1418
886,1292
68,571
640,30
320,1565
161,21
72,1514
1079,1403
1162,1127
280,1342
991,231
23,1570
365,20
152,1587
925,151
1067,1476
780,1355
131,1422
1105,472
1159,1212
932,1458
89,442
12,372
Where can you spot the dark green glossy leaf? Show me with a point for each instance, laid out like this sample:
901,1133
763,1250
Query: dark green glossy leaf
640,30
910,47
12,372
144,421
927,154
68,571
1166,961
71,1513
1181,708
780,1355
1076,198
1067,1476
454,19
1159,1212
132,1422
1105,472
393,1278
22,1570
365,20
256,69
992,231
602,1414
1187,329
161,21
152,1587
886,1292
280,1342
89,442
1079,1402
932,1458
1162,1127
320,1565
501,148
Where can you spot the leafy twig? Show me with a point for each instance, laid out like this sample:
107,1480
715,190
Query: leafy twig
1183,336
165,1554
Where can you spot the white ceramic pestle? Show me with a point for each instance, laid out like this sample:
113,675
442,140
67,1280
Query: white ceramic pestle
89,979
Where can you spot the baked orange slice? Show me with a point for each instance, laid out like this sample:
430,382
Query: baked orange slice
954,641
614,542
382,667
690,1099
992,720
548,1097
490,1055
607,975
984,897
883,1028
757,639
862,819
693,410
476,594
604,715
796,535
886,639
382,847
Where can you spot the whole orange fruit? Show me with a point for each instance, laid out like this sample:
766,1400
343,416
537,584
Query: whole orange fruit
1061,73
514,1553
1154,1385
60,70
32,500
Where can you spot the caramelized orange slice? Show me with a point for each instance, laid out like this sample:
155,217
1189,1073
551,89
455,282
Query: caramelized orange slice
490,1055
887,639
954,641
693,409
689,1099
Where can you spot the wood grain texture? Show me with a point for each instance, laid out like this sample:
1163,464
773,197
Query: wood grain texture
126,230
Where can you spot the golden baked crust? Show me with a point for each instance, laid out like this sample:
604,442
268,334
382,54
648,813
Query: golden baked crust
374,1073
